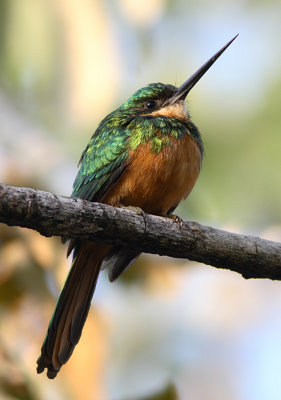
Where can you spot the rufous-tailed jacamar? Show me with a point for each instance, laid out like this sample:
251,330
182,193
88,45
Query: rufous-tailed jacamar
145,154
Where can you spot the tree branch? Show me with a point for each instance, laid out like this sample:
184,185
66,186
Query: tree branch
50,215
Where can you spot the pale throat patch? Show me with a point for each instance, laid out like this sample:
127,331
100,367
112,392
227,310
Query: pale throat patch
177,110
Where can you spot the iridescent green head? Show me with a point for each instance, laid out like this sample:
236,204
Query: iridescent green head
157,96
149,98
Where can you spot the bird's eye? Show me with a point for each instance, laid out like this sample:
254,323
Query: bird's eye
150,104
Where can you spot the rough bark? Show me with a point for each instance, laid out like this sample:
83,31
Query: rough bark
49,214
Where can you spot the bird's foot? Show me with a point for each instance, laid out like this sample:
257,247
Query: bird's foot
137,210
176,218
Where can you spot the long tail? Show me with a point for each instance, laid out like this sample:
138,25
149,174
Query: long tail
72,308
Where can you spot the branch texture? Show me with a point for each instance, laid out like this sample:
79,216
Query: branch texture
50,215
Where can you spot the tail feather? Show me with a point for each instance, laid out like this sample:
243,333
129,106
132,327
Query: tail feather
117,260
72,309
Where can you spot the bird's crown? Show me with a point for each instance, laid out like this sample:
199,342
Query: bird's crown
149,97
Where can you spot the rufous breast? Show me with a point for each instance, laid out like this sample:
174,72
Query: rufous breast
157,182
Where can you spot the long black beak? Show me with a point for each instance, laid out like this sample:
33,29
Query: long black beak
185,88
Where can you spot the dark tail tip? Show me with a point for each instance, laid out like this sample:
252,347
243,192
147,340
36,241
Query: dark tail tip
51,371
71,310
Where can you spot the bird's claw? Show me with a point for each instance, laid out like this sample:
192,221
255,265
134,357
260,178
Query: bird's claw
137,210
176,218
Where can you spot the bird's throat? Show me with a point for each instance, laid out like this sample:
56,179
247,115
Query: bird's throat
177,110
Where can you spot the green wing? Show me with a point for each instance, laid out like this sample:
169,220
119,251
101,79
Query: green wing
102,162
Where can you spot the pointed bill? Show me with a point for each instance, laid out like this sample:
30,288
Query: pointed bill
185,88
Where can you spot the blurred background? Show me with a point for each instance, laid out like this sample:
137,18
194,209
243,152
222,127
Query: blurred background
168,329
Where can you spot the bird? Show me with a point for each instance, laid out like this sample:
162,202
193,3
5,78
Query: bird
147,154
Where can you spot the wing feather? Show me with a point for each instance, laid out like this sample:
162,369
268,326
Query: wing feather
102,163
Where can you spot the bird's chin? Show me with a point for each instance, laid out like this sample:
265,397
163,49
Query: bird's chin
176,110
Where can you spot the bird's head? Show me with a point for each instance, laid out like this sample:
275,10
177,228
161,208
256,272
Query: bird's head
167,100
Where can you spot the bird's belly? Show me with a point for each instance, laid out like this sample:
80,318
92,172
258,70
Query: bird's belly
158,182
